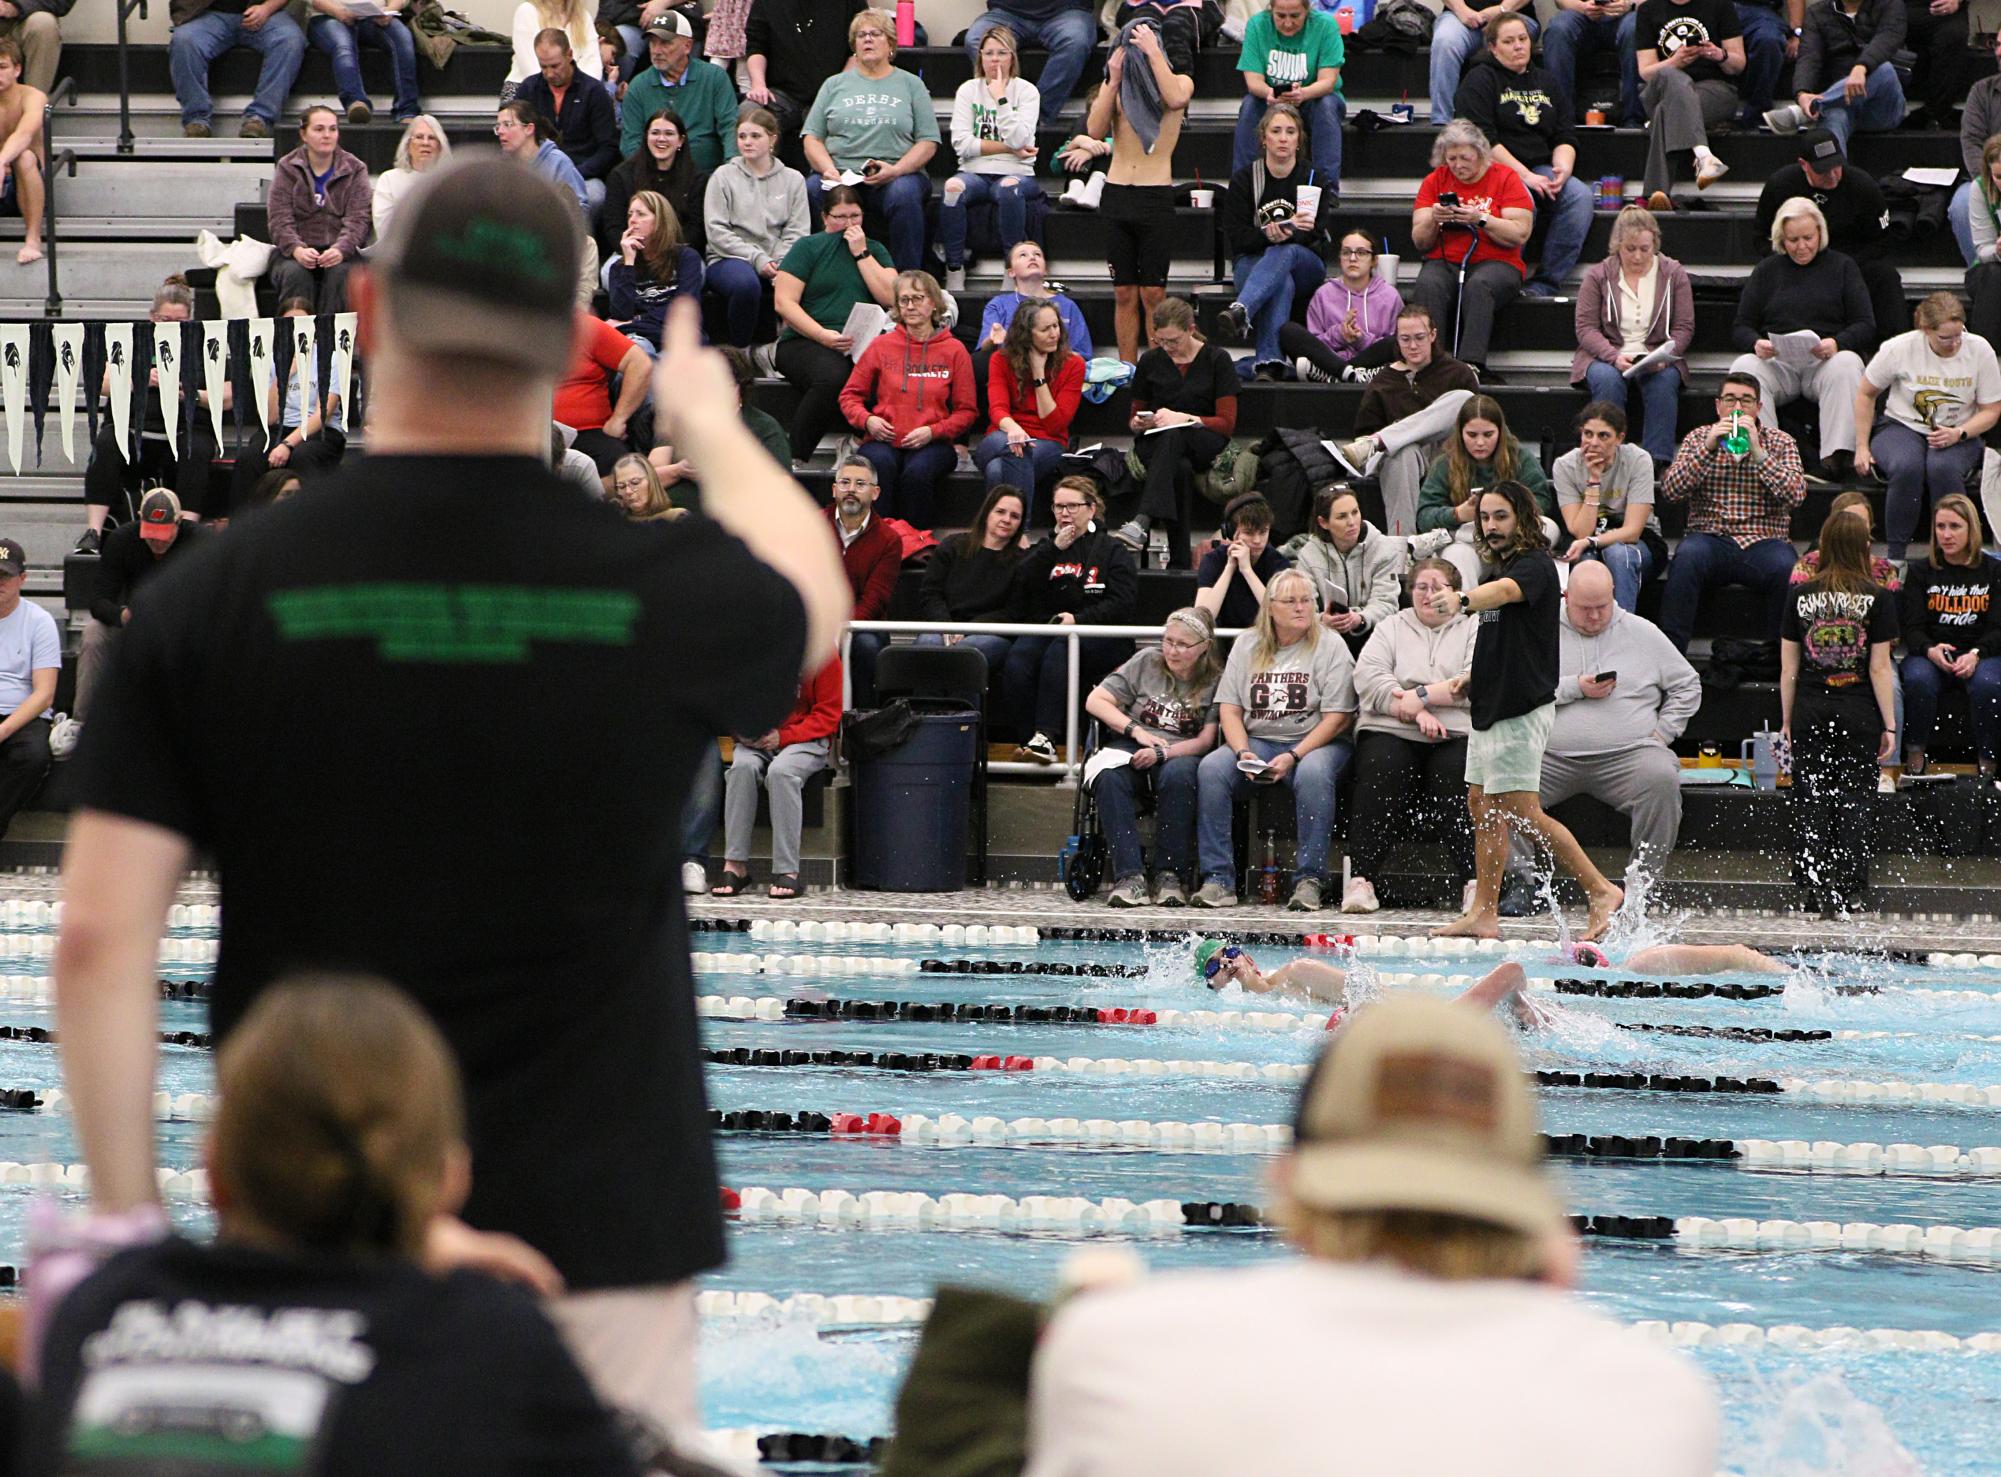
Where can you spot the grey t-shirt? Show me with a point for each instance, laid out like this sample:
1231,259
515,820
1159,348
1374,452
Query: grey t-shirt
1154,700
1631,479
1284,699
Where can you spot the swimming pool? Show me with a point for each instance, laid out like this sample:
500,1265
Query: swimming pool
1101,1118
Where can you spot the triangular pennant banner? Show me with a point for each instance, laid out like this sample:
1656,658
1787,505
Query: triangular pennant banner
260,372
69,362
343,364
214,356
167,373
118,367
14,387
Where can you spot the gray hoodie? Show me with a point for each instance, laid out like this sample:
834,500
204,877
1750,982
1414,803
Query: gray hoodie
755,220
1403,652
1655,696
1368,578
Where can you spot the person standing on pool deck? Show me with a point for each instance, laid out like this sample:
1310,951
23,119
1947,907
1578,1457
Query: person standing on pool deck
1513,692
396,716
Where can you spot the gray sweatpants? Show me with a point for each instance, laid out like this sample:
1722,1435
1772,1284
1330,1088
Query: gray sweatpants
784,776
1645,782
1408,446
1829,383
1680,114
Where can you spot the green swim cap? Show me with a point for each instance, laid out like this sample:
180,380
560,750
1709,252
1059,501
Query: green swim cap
1205,951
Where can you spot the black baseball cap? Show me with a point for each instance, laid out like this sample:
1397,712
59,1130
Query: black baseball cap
481,259
13,559
1821,149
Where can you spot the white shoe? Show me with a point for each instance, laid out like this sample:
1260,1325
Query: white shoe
1886,782
955,279
1789,119
1433,541
1087,192
694,881
64,735
1359,896
1708,170
764,359
1358,456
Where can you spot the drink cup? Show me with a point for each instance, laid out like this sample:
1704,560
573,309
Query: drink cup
1594,117
1308,200
1202,198
1386,268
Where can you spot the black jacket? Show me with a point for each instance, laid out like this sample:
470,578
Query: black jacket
967,586
124,563
1528,115
1827,295
1251,187
1094,580
803,43
1832,41
1854,209
586,128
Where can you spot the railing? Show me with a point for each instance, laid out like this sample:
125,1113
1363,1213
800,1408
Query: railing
59,163
1067,770
125,10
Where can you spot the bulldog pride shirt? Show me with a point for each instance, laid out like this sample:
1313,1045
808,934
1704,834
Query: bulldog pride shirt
1284,698
1927,393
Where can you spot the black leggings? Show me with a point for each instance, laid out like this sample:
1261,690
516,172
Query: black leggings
818,373
111,481
1296,341
1834,788
1172,458
1404,789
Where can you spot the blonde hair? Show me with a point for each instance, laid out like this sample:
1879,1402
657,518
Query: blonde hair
1938,310
1209,666
1005,35
1635,218
1793,209
1268,644
437,132
657,504
1450,1248
341,1114
576,19
873,20
1959,504
662,251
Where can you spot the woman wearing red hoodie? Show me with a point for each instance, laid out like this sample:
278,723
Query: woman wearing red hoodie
911,397
782,761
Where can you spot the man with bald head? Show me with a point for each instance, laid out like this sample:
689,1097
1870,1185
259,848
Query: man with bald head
1623,696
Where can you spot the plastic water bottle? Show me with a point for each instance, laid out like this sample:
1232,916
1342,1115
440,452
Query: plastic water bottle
906,22
1738,442
1268,874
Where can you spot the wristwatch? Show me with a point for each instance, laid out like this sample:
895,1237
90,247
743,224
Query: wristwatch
1465,602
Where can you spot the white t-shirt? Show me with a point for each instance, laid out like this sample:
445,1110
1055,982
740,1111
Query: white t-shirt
1304,1368
1284,699
1925,392
29,640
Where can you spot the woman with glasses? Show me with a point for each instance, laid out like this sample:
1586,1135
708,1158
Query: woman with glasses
1160,707
911,397
875,120
1630,305
1351,322
1287,697
1410,757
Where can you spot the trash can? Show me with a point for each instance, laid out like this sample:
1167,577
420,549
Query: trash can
913,806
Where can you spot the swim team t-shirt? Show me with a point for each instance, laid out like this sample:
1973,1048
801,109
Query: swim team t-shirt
1151,697
1285,698
1515,649
437,722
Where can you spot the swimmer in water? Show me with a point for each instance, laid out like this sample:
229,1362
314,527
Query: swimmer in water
1220,964
1676,959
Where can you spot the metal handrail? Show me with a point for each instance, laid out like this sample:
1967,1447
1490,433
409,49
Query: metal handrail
59,163
125,9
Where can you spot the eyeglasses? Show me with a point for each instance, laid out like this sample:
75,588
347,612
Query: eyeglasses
1168,643
1357,251
1068,507
1736,399
913,300
1217,960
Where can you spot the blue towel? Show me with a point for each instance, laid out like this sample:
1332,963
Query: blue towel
1139,92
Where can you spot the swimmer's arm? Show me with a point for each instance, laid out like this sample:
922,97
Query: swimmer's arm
1506,984
1310,979
119,877
1703,959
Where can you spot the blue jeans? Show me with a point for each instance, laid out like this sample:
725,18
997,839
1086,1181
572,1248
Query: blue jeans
1912,468
1572,37
703,808
195,44
1269,283
1069,36
1312,785
1323,120
1010,194
1569,223
1035,680
1660,395
1705,559
1960,213
1923,682
1880,110
1452,43
901,203
1174,786
342,45
909,479
1033,469
1765,37
741,287
1631,565
993,648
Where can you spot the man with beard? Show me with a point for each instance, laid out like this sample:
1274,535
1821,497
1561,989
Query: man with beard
873,556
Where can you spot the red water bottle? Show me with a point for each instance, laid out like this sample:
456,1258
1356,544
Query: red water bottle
906,22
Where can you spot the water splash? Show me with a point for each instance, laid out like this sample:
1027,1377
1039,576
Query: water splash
1821,1428
786,1374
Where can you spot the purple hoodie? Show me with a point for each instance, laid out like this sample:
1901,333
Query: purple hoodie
1376,307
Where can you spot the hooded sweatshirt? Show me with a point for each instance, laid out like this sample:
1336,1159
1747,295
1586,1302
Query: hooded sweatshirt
1366,579
911,384
816,712
1404,652
752,219
1655,696
1094,579
1375,308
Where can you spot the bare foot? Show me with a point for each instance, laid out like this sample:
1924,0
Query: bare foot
1603,906
32,252
1470,926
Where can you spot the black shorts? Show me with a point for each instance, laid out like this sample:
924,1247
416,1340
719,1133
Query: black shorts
1139,233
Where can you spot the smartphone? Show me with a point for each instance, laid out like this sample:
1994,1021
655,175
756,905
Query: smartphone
1144,417
1335,607
1605,677
1449,199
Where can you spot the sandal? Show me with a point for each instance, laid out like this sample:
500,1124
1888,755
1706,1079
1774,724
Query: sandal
785,886
734,884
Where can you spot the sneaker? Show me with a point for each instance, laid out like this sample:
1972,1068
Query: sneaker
1358,456
1359,896
1233,325
1215,895
1886,782
1708,170
1130,893
1310,372
1040,748
1132,535
196,130
1432,541
955,279
255,128
90,542
694,880
359,112
1789,119
1660,202
64,735
1356,374
1169,893
1305,896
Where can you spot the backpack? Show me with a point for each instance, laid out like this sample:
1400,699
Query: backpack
1397,25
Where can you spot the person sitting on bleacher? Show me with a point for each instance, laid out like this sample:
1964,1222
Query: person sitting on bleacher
583,399
1520,107
1455,37
1979,121
994,115
36,27
1579,30
1026,273
340,33
1356,567
22,110
522,133
1292,53
1287,696
971,577
820,282
755,209
663,165
911,398
790,48
1035,387
1279,251
31,659
578,109
1230,581
1688,53
204,30
1066,29
1605,500
1846,49
1951,620
871,553
1480,452
699,92
1160,707
1407,411
422,146
319,214
1078,576
1739,512
1632,303
310,427
780,762
1351,319
573,18
1852,203
132,552
1802,289
1472,218
653,267
1184,411
875,121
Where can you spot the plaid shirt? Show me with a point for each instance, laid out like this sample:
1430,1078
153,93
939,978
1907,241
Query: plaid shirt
1732,497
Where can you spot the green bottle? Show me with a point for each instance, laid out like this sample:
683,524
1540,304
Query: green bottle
1738,442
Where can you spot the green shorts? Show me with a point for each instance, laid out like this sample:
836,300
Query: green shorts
1508,756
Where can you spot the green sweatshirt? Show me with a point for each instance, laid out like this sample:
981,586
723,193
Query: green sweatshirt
1434,499
706,102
